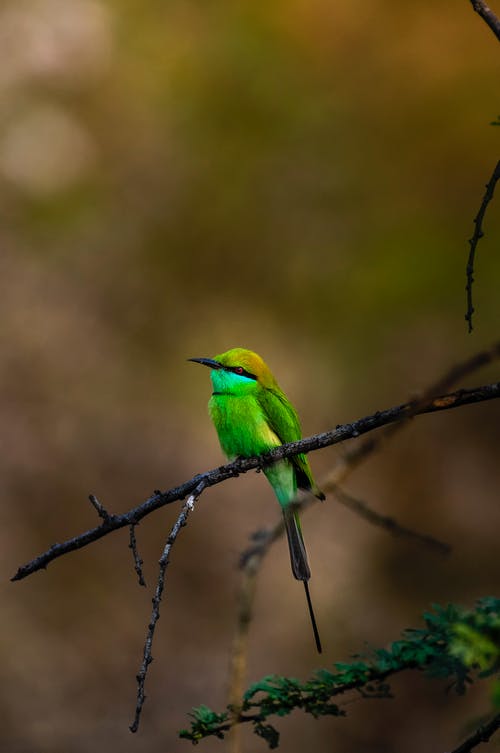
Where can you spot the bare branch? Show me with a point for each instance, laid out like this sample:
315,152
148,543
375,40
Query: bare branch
243,465
478,227
481,735
138,562
155,614
389,524
252,556
101,511
488,16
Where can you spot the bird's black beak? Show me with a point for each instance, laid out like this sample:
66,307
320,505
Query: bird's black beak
207,362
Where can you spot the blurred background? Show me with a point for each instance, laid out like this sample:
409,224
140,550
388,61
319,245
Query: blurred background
180,178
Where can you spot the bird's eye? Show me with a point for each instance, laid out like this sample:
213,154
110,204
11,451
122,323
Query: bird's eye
239,370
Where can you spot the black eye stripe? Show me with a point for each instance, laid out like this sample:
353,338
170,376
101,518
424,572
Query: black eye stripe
241,371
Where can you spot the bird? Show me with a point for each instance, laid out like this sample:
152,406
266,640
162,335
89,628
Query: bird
252,415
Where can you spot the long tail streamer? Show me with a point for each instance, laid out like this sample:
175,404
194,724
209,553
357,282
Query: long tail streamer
313,618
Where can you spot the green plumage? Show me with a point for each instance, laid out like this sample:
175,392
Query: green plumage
253,415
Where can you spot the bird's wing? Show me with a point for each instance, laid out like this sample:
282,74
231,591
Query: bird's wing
284,422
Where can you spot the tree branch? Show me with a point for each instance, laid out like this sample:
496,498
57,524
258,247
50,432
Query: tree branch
340,434
481,735
488,16
477,235
388,523
155,614
138,562
100,510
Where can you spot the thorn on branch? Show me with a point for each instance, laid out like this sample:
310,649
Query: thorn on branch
138,562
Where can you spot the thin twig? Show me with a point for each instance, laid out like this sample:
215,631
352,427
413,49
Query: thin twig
101,511
243,465
388,523
252,556
187,507
488,16
138,562
478,219
458,372
481,735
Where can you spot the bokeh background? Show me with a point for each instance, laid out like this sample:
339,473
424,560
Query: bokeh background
179,178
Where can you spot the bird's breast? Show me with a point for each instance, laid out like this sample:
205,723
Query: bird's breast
241,425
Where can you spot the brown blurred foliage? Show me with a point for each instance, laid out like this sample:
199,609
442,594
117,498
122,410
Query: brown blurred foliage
179,178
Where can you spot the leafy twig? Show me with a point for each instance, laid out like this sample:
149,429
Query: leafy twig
428,649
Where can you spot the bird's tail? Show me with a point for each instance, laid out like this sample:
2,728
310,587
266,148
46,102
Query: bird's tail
298,555
298,559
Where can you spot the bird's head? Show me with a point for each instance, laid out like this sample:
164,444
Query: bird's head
238,369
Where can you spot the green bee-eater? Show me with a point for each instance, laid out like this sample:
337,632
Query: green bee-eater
252,415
